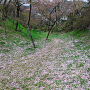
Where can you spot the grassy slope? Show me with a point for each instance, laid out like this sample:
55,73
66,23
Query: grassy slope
62,62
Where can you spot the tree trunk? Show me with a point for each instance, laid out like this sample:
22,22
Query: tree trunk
18,9
16,26
5,9
31,37
50,30
29,29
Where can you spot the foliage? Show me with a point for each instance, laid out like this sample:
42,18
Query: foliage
80,22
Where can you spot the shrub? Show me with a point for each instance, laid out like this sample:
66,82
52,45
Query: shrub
80,22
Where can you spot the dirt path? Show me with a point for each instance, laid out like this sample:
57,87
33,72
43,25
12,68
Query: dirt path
59,65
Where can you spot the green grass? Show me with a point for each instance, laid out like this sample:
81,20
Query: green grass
24,86
58,82
24,31
5,81
40,84
88,70
26,79
5,50
37,35
15,41
87,47
82,81
14,88
2,43
80,65
79,33
70,65
15,37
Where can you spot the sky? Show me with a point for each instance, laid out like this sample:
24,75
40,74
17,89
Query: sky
51,0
